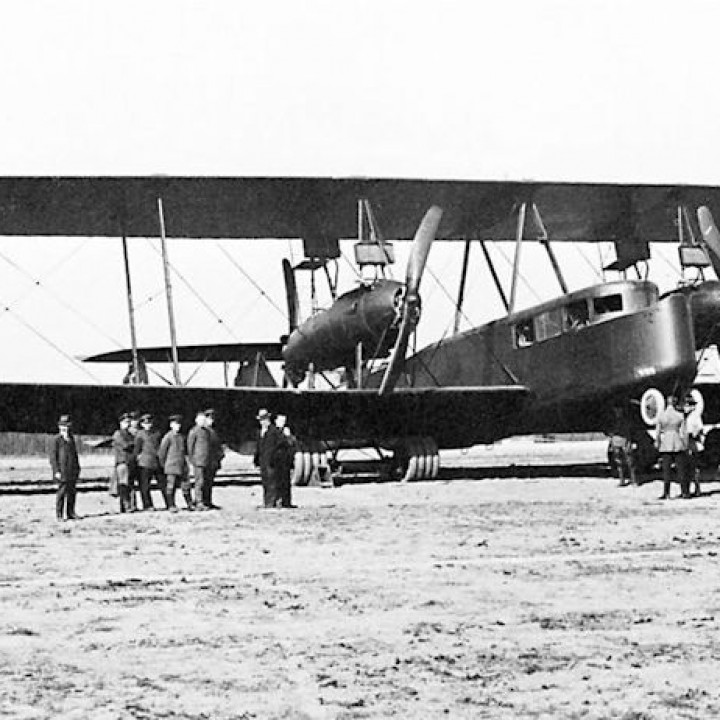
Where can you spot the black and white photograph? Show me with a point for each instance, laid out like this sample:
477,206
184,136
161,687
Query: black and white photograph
359,359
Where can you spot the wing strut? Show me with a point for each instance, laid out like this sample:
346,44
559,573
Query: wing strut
710,236
518,246
168,295
495,277
461,289
545,240
135,378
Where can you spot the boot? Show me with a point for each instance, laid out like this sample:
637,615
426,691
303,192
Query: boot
666,491
71,505
187,494
124,494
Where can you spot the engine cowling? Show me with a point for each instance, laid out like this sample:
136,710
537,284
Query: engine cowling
369,314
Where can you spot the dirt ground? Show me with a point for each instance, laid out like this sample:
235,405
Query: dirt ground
489,598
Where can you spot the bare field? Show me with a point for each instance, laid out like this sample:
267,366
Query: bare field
498,598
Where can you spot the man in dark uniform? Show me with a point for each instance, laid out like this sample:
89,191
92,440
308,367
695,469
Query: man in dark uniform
216,456
133,470
123,444
197,450
269,456
147,445
65,469
622,447
286,460
174,465
203,458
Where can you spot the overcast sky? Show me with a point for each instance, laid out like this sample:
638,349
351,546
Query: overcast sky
576,91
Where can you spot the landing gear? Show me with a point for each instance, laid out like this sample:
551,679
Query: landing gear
417,458
311,466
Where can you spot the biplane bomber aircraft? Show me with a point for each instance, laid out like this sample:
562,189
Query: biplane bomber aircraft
560,366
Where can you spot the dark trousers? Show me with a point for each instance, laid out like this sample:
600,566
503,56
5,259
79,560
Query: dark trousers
679,459
175,481
204,478
693,475
624,458
65,498
271,493
146,476
284,487
126,492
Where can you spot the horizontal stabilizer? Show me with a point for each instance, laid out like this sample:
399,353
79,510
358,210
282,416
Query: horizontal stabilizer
230,352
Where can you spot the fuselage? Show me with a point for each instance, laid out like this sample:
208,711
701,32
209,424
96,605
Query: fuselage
577,355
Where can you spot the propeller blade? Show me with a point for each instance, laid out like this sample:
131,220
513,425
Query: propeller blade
291,293
710,235
421,248
411,305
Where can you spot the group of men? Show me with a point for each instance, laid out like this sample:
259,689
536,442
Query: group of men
142,454
679,440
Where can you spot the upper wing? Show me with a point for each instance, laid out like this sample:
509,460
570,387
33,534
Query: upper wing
455,417
326,208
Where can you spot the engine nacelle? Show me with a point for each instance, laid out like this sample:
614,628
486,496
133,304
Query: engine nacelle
369,315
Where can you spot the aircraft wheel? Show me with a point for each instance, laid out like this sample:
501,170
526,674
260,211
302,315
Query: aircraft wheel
302,467
426,462
697,396
652,403
313,472
413,452
308,466
298,464
421,459
432,459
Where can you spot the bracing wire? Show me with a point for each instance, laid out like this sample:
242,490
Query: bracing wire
250,279
447,293
53,345
37,283
196,294
522,277
590,263
57,297
149,299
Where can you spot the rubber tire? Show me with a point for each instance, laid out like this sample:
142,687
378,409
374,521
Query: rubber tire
647,396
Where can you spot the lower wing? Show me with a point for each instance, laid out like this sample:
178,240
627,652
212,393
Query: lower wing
454,416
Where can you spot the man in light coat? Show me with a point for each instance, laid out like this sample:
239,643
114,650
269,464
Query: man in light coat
671,443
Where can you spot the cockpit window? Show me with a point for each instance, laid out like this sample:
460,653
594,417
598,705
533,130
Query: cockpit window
577,315
608,304
524,333
549,324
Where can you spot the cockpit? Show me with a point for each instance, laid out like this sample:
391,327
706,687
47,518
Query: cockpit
581,309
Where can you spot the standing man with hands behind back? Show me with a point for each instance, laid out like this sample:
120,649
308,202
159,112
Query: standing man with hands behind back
206,454
270,457
65,469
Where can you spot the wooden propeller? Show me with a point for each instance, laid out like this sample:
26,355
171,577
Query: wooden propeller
411,304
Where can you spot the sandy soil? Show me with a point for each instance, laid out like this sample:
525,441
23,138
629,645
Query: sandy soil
495,598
